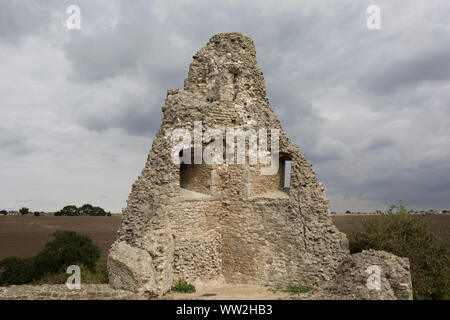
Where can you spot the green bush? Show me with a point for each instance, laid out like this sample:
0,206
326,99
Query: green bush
15,270
67,248
183,287
3,212
406,235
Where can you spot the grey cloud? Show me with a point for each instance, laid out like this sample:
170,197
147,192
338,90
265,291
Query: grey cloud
133,114
433,65
95,58
14,143
21,18
378,144
429,188
388,179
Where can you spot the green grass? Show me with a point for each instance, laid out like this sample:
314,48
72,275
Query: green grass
298,289
183,287
293,289
209,294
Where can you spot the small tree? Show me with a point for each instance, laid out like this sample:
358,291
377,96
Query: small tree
66,249
24,211
3,212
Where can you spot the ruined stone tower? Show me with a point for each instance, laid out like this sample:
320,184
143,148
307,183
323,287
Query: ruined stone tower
224,221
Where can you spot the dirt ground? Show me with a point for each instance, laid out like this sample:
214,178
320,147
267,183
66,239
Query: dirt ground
213,290
26,236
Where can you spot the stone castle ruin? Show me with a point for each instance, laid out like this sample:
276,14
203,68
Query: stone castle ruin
227,221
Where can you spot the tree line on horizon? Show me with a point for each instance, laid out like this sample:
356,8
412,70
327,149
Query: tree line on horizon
70,210
84,210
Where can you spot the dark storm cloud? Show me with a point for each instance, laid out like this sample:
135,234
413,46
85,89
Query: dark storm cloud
132,47
133,114
428,66
430,187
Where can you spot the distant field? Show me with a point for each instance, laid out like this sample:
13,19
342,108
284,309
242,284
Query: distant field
26,236
345,222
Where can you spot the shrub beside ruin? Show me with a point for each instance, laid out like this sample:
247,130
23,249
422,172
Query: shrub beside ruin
407,235
50,264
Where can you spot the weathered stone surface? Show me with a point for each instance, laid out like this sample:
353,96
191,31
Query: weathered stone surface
133,269
353,275
60,292
226,221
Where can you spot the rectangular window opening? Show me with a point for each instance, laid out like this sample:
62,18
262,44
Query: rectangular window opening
287,173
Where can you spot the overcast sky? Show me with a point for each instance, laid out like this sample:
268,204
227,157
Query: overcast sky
369,108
